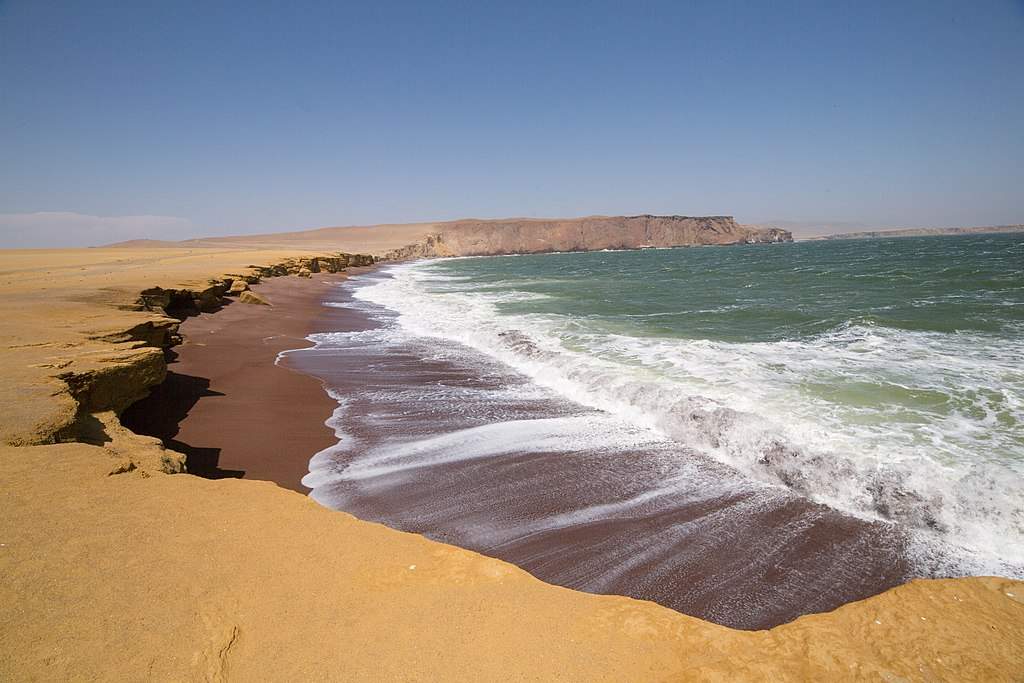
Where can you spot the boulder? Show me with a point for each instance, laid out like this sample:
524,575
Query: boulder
251,297
304,272
237,287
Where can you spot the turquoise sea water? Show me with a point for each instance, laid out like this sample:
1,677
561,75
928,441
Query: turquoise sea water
882,377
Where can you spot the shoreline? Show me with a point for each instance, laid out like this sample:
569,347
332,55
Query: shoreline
706,544
94,561
254,417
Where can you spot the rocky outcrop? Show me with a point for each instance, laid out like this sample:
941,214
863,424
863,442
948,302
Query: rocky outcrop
334,263
770,236
180,303
115,380
361,260
430,247
160,331
129,452
489,238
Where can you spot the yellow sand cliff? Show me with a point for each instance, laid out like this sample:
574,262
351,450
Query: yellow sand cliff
113,569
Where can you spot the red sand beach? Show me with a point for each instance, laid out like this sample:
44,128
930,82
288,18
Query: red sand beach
228,406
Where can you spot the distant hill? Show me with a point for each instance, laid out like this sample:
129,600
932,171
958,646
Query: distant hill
473,237
919,232
367,239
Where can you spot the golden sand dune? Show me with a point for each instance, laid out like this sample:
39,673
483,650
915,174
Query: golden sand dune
114,570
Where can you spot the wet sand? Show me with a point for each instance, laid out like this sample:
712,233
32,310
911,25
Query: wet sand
425,450
227,406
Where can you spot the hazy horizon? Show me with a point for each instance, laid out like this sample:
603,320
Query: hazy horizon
64,229
120,121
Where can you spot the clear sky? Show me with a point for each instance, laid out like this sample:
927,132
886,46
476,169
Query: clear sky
121,119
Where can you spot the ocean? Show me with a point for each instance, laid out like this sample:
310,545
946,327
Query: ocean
661,423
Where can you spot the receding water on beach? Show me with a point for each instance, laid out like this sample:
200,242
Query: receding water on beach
798,425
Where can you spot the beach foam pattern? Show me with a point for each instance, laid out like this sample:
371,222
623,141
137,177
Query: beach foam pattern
917,427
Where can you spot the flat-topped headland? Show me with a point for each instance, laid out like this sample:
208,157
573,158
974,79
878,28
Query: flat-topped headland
118,564
532,236
475,237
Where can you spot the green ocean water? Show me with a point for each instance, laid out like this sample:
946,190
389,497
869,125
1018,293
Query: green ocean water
883,377
757,293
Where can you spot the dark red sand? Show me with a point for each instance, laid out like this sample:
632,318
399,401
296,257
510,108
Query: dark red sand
227,406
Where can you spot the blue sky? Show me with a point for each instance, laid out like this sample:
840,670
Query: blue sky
215,118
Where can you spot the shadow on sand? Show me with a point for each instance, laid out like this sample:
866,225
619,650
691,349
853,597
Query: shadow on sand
160,413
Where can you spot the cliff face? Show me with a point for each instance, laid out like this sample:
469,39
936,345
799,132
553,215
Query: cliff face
521,236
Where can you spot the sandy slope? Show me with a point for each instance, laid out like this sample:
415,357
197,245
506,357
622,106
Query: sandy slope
112,570
175,577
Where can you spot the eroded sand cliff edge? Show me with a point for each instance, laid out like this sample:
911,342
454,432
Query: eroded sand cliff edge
115,569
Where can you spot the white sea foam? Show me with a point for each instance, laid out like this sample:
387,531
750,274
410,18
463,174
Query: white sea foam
321,465
554,435
766,408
